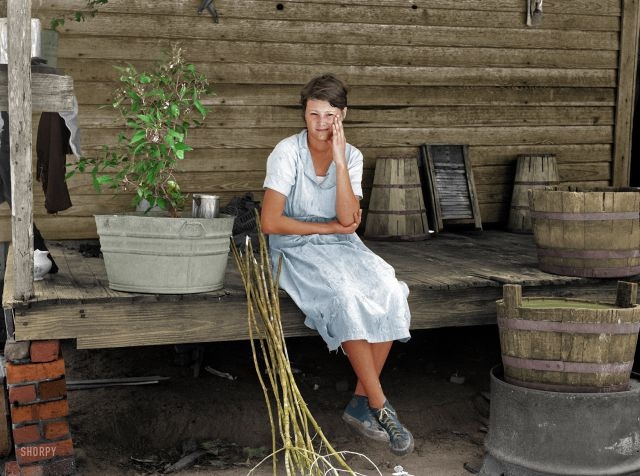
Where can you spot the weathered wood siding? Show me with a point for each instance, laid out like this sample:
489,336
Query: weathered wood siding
428,71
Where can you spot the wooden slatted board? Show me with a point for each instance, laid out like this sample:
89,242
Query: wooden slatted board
429,191
449,185
454,281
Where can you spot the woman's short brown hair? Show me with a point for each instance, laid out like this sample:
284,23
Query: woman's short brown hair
325,88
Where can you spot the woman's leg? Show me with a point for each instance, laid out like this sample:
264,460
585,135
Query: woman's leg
380,353
367,364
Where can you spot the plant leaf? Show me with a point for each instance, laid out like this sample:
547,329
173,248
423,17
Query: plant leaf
137,137
198,105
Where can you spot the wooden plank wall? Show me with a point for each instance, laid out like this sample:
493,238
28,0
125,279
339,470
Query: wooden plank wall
423,71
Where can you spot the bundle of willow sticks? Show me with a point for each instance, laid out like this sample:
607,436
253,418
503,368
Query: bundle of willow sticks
306,450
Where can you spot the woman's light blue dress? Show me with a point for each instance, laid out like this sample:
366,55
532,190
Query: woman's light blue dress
345,290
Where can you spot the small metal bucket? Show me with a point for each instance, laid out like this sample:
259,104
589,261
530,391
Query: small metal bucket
205,206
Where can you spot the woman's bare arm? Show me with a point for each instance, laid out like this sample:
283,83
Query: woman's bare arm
347,204
274,221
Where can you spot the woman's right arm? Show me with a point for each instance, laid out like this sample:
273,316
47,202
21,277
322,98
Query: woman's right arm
274,221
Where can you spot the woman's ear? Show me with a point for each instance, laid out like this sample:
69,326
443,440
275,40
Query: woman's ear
344,113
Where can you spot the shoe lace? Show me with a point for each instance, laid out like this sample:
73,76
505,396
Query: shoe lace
388,420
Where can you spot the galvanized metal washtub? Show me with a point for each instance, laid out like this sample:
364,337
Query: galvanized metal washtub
163,255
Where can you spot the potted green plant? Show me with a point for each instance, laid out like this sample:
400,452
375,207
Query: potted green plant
157,252
158,108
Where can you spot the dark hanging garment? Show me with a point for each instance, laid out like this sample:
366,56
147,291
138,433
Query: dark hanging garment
52,147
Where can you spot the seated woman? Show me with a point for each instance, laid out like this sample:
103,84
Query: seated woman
311,210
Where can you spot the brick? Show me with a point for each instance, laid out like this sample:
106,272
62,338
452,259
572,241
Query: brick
56,429
52,389
26,434
16,351
43,451
22,394
44,350
39,411
11,468
22,373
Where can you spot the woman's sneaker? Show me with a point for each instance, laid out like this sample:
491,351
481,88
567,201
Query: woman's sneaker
358,415
400,439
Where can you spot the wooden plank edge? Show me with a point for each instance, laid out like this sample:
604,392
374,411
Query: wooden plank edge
627,71
49,92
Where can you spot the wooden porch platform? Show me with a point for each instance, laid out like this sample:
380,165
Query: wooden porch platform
454,279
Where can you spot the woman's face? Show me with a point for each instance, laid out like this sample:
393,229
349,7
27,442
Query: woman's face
319,116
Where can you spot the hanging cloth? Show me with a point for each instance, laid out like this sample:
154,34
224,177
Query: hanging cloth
52,147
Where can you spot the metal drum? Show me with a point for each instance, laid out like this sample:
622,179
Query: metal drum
541,433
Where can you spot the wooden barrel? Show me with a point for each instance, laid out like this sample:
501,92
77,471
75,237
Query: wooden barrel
593,234
532,171
566,345
396,208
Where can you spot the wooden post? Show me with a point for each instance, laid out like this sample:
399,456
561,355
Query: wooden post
19,85
627,67
512,296
626,294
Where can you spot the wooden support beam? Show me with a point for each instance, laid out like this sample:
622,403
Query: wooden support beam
49,92
626,92
113,324
465,277
19,82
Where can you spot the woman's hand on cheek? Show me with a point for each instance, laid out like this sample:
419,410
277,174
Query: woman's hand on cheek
338,140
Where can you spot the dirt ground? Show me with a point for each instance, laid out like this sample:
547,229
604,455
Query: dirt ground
141,430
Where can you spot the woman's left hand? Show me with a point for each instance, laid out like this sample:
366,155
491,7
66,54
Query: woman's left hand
338,141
